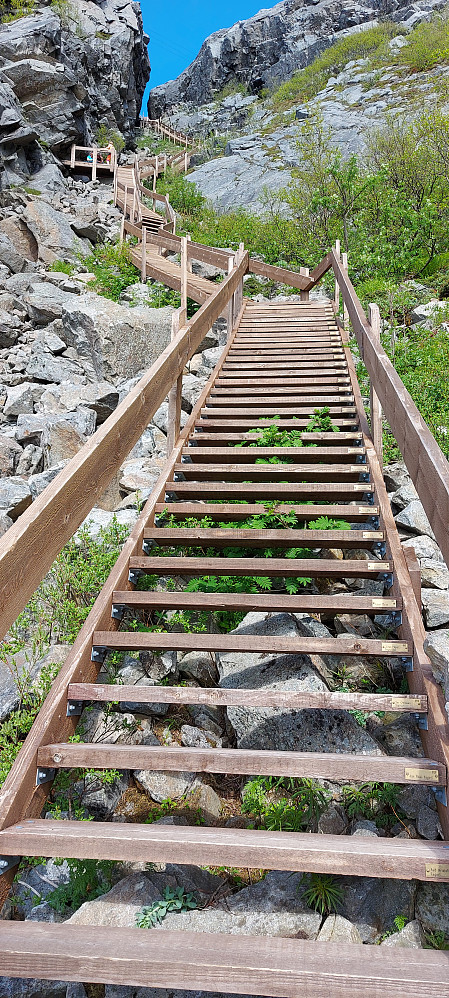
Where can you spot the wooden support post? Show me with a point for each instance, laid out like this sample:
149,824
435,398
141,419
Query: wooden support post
175,394
134,214
414,571
94,163
165,163
337,286
230,308
375,406
122,230
345,337
143,268
189,261
72,156
186,162
154,180
184,279
304,295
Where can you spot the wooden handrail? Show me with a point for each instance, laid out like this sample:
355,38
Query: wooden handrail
425,462
30,546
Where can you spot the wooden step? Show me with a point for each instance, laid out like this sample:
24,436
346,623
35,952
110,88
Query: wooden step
271,490
335,440
217,400
398,859
283,699
241,511
270,472
209,537
346,644
195,452
213,423
271,411
245,762
317,568
256,602
223,391
256,965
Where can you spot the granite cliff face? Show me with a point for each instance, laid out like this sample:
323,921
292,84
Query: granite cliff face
268,48
64,70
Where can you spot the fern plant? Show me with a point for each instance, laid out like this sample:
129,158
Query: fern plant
323,894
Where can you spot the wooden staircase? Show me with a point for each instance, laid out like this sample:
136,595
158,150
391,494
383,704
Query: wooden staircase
281,363
342,476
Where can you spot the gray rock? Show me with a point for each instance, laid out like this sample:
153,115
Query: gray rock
160,785
63,436
194,737
435,604
98,520
432,907
38,483
15,496
410,937
140,474
43,366
10,454
101,397
17,987
427,823
436,646
372,905
337,929
333,821
427,314
434,574
101,799
45,303
395,476
414,519
22,398
200,666
424,547
30,461
53,233
367,829
30,428
38,882
160,418
5,523
114,340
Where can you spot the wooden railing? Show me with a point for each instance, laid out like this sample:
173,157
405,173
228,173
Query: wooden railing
101,157
166,130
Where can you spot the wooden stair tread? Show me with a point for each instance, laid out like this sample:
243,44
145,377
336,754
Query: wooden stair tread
268,490
228,511
346,644
271,602
286,699
241,472
195,452
257,849
247,762
284,968
227,537
272,567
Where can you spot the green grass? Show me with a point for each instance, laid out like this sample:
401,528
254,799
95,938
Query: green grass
428,44
113,269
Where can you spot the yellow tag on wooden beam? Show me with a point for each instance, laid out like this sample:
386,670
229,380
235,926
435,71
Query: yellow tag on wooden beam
421,775
406,703
437,871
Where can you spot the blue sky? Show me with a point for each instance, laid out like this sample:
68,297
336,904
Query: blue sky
177,29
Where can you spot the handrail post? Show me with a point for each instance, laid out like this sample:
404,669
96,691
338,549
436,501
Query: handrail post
184,279
337,286
345,336
230,308
304,295
175,394
375,406
186,165
94,163
143,266
72,156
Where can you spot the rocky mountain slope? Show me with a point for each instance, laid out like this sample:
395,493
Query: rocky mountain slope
259,141
269,47
65,70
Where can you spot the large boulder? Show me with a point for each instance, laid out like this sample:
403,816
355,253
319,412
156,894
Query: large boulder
116,341
53,233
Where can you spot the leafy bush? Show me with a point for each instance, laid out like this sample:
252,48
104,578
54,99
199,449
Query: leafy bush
185,196
89,879
107,134
14,730
113,269
172,900
323,893
12,10
62,267
428,44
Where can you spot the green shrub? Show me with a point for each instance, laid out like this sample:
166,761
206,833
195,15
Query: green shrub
185,196
428,44
107,134
113,269
12,10
62,267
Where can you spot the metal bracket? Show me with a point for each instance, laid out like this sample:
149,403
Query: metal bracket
134,576
440,795
422,722
179,477
148,545
44,776
160,520
75,708
99,653
364,475
186,459
374,521
368,498
380,548
361,458
192,443
8,862
170,497
407,662
118,611
386,577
